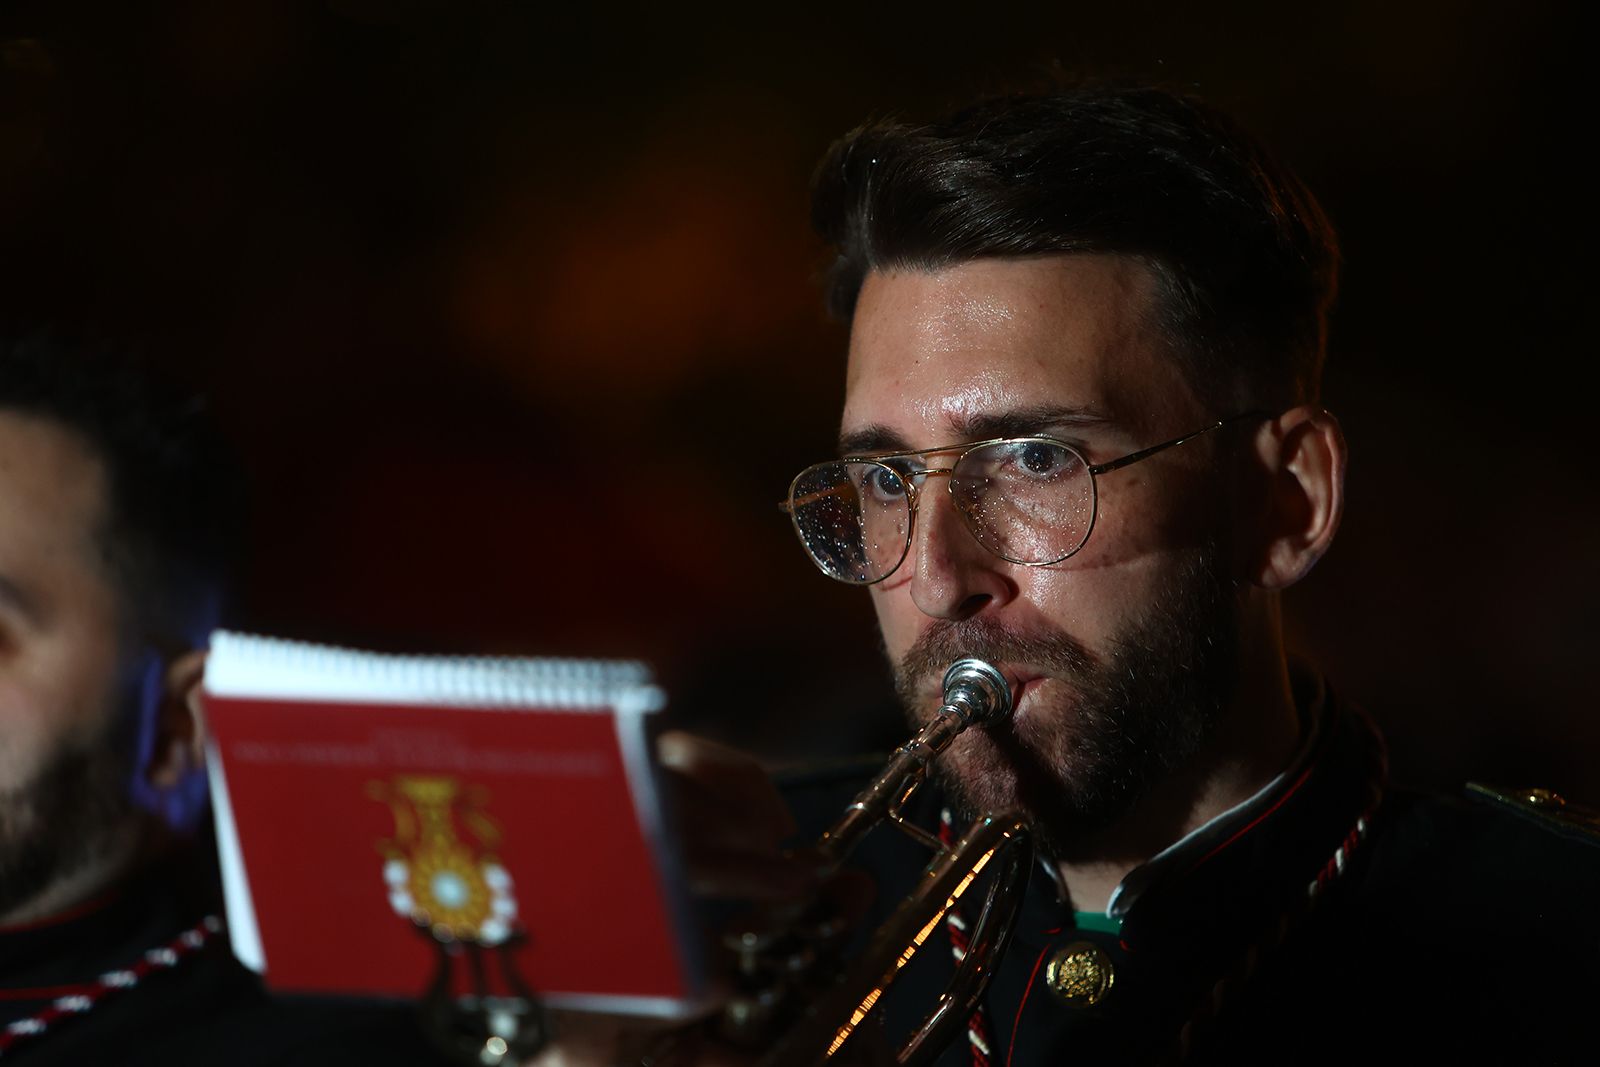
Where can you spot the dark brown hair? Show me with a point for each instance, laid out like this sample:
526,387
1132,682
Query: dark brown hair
175,502
1245,260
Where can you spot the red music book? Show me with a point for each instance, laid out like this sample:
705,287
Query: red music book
366,803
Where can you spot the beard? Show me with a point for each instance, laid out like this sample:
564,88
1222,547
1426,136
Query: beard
1081,759
65,819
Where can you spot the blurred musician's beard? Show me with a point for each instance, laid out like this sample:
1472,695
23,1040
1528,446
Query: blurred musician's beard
1108,729
67,818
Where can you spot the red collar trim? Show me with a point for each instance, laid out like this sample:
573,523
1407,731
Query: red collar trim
1259,819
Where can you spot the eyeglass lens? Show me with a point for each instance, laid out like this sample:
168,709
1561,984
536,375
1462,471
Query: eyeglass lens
853,517
1028,501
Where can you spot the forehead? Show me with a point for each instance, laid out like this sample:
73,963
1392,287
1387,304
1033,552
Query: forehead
933,353
52,486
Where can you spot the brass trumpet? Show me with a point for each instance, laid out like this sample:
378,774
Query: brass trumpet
792,975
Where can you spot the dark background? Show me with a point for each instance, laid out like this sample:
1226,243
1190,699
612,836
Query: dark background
511,313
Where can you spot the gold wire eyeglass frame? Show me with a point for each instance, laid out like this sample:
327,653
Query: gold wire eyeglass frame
908,478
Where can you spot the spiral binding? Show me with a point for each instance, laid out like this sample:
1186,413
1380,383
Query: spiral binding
250,665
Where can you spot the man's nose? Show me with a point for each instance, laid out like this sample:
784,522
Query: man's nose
955,576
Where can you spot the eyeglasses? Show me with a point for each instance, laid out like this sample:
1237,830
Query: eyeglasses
1028,500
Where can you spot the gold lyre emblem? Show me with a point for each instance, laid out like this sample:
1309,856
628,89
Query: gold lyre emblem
455,887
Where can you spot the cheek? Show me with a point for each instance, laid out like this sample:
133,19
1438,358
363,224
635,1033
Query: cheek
899,620
1091,602
25,734
53,694
1168,508
1143,524
1126,526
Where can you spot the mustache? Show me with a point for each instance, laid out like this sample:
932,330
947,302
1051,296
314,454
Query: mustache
946,641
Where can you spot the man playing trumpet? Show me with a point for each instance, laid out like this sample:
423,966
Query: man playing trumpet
1081,440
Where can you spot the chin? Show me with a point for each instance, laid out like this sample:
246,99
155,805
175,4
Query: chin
1066,764
1024,766
982,778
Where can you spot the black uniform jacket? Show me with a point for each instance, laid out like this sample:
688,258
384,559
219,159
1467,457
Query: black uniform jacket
1330,919
169,1003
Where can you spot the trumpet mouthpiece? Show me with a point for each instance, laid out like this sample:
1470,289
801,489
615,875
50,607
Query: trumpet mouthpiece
976,691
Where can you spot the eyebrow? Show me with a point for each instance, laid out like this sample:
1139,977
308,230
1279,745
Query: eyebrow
1018,422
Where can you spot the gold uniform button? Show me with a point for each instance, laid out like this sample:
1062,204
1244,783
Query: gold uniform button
1080,974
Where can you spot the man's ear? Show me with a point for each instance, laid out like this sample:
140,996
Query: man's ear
180,733
1303,455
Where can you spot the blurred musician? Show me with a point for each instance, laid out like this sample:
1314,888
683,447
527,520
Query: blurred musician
116,522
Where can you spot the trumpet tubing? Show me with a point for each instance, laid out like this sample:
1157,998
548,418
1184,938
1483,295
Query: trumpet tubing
791,963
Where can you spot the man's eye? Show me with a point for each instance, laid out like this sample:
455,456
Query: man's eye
884,484
1042,458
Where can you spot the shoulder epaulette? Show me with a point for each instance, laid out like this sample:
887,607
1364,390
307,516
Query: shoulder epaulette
1545,807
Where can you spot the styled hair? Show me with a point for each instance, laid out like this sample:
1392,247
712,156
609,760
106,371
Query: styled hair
1246,263
174,507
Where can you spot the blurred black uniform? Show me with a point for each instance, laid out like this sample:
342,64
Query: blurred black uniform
195,1007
